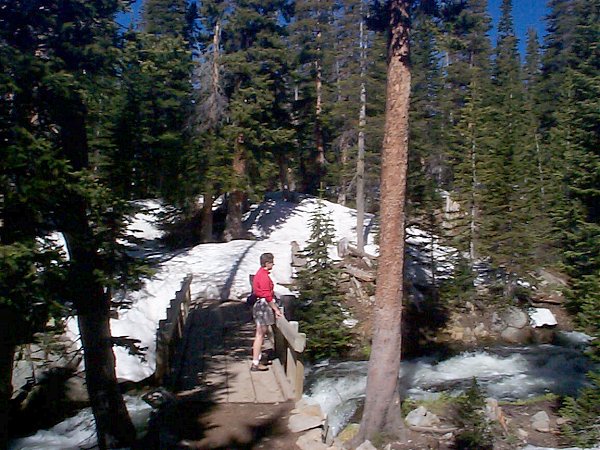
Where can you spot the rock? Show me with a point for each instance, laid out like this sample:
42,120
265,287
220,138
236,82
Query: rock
522,434
366,446
551,279
420,417
76,390
297,259
447,436
311,441
541,422
543,335
561,421
514,335
347,433
497,323
554,298
515,317
303,422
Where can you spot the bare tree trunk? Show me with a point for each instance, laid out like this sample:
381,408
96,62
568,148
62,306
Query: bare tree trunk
382,403
319,144
235,201
360,159
113,424
206,226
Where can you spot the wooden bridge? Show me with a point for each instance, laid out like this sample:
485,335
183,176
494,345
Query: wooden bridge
203,359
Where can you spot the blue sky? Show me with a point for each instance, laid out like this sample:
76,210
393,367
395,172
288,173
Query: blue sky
526,14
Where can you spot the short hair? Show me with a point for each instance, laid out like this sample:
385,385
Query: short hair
266,258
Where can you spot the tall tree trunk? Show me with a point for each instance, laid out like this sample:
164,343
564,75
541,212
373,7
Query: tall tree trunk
113,424
206,224
319,143
9,336
360,158
382,403
235,201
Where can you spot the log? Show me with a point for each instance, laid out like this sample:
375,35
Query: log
433,429
360,274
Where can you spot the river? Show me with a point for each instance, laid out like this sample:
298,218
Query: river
502,372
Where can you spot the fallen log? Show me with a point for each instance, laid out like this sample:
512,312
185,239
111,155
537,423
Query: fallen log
360,274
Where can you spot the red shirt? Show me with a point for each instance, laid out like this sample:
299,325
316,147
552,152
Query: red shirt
262,285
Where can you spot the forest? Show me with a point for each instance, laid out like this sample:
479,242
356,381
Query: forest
230,99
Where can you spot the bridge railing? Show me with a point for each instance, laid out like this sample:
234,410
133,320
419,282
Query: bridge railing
289,347
170,330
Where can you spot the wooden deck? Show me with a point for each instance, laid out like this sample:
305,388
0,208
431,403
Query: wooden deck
215,358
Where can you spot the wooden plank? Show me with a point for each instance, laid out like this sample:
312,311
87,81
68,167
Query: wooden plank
283,379
240,384
295,340
266,387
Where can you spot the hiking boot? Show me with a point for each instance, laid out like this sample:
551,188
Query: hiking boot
258,368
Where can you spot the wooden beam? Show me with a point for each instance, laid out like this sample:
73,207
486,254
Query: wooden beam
297,341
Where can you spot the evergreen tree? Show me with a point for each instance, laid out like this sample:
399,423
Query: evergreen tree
312,40
58,56
583,414
255,61
320,312
465,107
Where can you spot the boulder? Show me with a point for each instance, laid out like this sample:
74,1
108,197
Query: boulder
311,441
515,317
514,335
420,417
303,422
541,422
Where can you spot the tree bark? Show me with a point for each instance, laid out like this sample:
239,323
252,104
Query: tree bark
92,302
360,159
206,226
382,403
235,201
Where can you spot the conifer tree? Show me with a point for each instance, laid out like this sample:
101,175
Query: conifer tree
255,61
465,107
320,312
507,171
312,38
58,56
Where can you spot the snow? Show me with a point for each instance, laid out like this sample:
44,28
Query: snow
540,317
220,270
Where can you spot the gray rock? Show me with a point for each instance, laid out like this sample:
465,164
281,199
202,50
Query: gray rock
515,317
541,422
514,335
303,422
420,417
366,446
311,441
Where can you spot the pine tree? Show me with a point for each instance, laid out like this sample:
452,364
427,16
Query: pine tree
320,313
576,139
465,107
312,40
255,61
583,414
58,60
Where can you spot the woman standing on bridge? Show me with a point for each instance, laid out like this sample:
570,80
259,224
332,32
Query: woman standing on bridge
265,310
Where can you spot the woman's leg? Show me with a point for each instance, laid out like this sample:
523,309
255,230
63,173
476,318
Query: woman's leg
258,341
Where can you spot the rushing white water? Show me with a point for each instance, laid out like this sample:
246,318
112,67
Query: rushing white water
506,373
